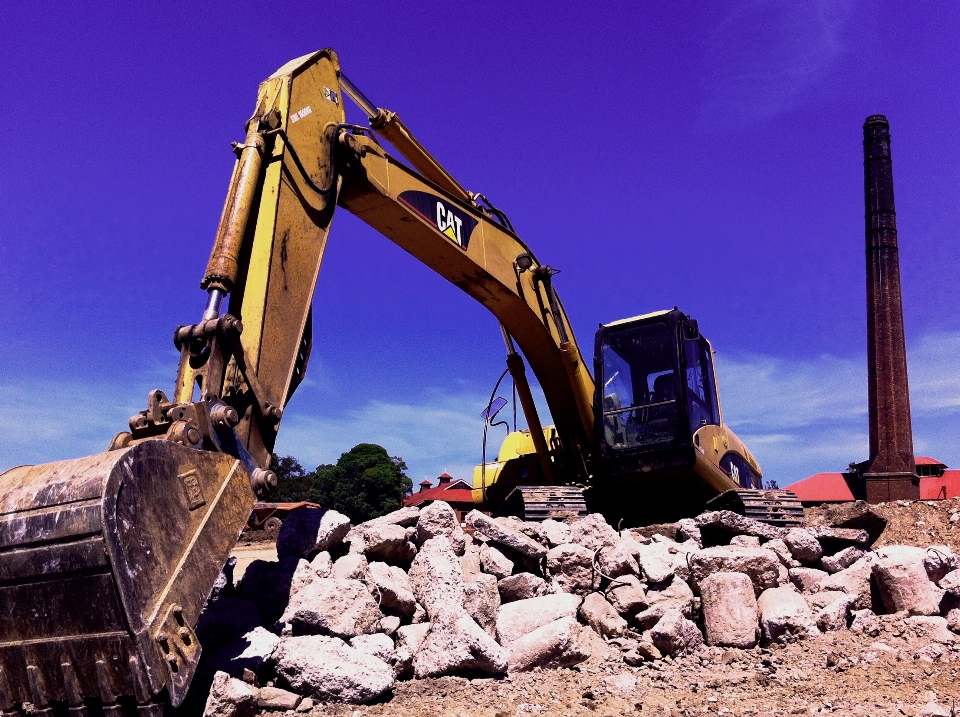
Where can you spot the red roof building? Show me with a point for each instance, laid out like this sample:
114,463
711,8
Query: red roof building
937,482
448,489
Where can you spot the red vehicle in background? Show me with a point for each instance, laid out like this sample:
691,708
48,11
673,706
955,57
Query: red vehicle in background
269,516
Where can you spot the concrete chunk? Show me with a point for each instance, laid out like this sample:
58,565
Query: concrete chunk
498,533
557,533
783,611
904,585
760,564
519,618
456,644
230,697
600,615
329,606
439,519
571,567
803,545
560,643
436,577
842,560
627,596
729,610
482,601
494,562
676,635
593,532
522,586
307,531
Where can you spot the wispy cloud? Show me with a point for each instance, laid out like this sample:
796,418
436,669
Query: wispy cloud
805,416
762,55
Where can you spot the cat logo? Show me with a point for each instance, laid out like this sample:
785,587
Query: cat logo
451,221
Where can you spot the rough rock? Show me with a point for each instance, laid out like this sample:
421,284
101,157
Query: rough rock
833,615
656,562
939,561
419,615
389,624
833,539
277,700
470,560
949,583
687,529
676,635
557,533
482,601
267,585
230,697
842,560
784,611
377,644
436,577
247,652
746,541
522,586
439,519
783,552
322,564
327,669
454,644
385,543
223,586
803,545
351,567
858,516
935,628
601,616
718,525
854,580
393,587
571,567
559,643
307,531
953,620
806,579
493,561
676,595
933,709
729,610
505,536
407,517
224,620
410,637
904,585
617,560
531,529
865,622
627,595
593,532
329,606
760,564
516,619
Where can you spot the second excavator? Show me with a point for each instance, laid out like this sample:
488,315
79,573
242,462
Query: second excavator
106,561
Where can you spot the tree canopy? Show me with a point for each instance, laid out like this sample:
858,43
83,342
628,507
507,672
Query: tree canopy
366,482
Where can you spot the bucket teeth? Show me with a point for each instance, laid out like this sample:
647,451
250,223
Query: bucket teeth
6,696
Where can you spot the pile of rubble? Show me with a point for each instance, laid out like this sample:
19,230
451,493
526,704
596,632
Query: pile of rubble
347,611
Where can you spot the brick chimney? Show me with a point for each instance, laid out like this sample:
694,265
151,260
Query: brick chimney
890,473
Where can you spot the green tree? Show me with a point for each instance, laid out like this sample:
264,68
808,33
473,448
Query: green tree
365,483
293,482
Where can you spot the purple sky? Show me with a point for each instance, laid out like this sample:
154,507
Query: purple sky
707,156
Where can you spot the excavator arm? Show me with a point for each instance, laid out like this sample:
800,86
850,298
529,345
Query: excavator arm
107,561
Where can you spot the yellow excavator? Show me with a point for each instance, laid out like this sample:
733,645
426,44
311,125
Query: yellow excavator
106,561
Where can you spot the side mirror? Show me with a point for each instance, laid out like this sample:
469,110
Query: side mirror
491,411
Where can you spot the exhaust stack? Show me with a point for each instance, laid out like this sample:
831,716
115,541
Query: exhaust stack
890,473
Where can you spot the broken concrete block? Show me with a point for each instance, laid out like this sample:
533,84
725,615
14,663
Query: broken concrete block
593,532
858,516
783,552
675,595
519,618
328,606
687,529
939,561
495,562
833,539
854,580
389,624
322,564
655,561
470,560
410,637
439,519
482,601
571,567
436,577
327,669
627,595
934,627
729,610
784,611
557,533
560,643
386,543
230,697
718,526
949,582
760,564
350,567
806,579
618,559
456,644
377,644
842,560
904,585
833,615
392,587
307,531
676,635
277,700
865,622
803,545
600,615
531,529
746,541
509,537
521,586
246,652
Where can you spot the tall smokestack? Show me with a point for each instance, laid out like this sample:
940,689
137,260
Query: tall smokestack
890,473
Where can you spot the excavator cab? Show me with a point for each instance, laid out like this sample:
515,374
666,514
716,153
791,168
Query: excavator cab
658,420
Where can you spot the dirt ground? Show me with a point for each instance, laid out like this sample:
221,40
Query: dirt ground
894,672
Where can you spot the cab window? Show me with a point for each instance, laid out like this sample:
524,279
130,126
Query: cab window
703,408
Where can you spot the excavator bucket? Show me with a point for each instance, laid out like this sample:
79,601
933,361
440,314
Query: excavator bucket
105,565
